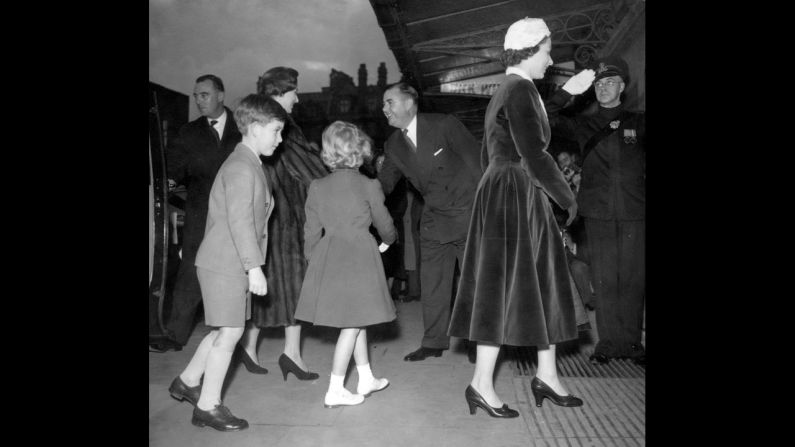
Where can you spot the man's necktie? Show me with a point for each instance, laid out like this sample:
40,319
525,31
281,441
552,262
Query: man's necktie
215,131
408,140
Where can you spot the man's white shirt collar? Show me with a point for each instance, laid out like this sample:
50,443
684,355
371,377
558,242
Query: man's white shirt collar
221,124
412,130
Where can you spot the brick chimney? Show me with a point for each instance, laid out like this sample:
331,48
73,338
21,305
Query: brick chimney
362,77
382,76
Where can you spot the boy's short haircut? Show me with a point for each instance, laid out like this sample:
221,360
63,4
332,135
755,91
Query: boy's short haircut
256,108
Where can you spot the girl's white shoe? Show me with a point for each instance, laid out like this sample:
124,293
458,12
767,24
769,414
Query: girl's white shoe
367,388
344,397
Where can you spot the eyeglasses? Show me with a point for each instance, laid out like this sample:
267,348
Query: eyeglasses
608,83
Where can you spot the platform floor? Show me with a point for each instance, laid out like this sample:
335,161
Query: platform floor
423,406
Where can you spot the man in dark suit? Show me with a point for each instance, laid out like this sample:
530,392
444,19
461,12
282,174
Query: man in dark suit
201,147
440,158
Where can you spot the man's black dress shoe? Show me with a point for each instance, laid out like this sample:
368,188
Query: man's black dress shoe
164,344
219,418
597,358
474,400
638,355
180,391
423,352
541,390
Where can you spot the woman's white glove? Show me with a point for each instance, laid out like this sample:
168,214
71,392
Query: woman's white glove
580,82
382,248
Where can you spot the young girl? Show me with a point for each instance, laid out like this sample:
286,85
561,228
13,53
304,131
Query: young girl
344,285
229,260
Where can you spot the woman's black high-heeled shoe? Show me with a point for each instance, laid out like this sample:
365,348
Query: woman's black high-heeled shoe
249,363
474,400
542,390
288,366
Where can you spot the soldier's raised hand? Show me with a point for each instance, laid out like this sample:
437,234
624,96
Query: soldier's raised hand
580,82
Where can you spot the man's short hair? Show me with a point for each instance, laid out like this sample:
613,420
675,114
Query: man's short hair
256,108
277,81
217,82
406,89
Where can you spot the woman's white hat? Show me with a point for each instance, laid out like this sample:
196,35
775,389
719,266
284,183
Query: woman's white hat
525,33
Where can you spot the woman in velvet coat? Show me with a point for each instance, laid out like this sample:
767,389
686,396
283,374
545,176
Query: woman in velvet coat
515,287
290,171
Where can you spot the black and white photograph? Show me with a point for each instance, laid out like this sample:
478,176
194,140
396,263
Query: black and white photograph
397,222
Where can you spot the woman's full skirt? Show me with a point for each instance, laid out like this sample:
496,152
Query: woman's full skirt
515,286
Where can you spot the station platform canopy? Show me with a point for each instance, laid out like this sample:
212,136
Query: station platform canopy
452,47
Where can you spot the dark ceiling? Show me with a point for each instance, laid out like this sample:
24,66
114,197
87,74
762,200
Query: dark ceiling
441,41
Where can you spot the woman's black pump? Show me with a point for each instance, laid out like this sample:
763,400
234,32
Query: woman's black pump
249,363
474,400
542,390
288,366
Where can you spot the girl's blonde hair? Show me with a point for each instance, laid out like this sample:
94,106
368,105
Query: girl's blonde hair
345,145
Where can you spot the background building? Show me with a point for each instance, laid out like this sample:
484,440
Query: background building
346,100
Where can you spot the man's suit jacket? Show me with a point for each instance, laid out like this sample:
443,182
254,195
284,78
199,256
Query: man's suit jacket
236,237
445,170
194,160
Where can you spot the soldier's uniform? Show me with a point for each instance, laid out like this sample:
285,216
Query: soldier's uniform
612,200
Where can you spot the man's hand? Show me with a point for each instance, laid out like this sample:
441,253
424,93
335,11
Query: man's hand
580,82
257,284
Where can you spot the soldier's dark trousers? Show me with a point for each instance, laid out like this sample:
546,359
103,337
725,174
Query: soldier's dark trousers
618,267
